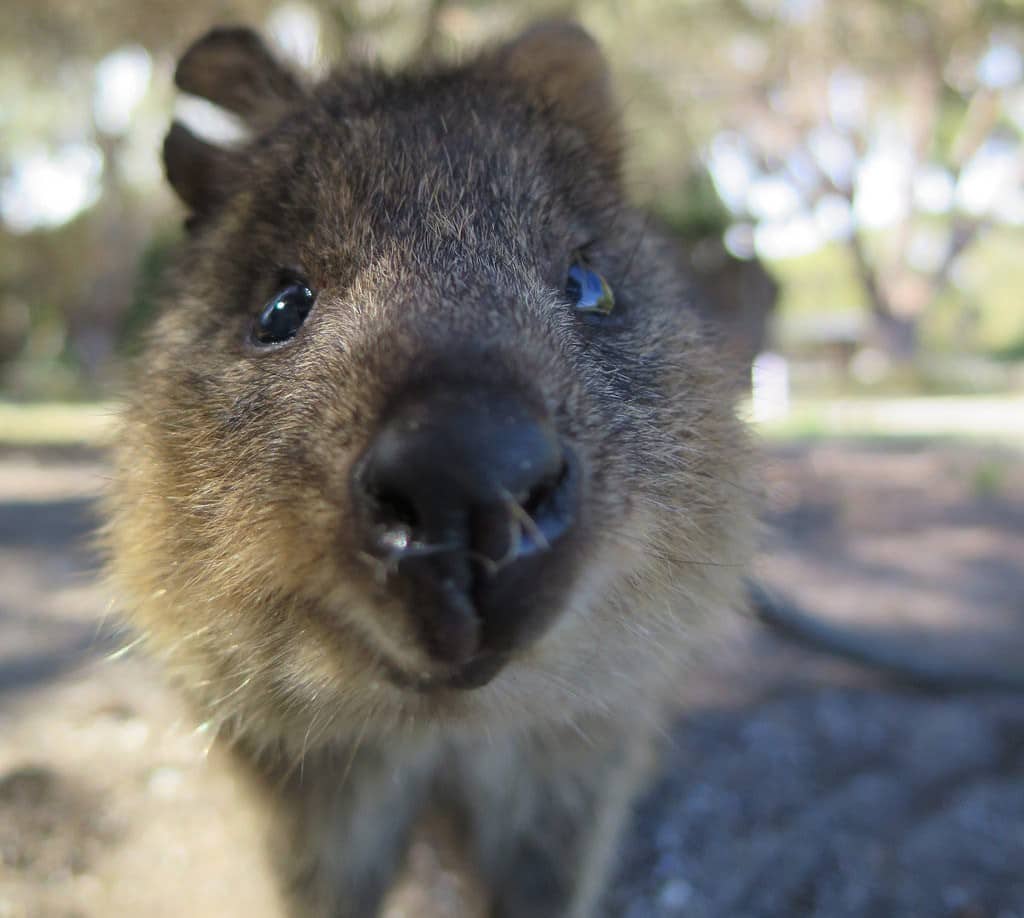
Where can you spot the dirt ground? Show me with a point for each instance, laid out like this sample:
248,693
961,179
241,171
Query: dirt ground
794,785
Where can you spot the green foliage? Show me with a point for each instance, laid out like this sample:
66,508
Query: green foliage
989,479
155,258
821,283
1013,352
985,314
694,211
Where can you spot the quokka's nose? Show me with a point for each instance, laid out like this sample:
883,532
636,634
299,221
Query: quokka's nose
458,486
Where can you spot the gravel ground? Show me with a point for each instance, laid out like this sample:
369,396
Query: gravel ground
794,785
839,803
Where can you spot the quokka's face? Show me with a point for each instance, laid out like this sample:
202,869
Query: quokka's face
426,427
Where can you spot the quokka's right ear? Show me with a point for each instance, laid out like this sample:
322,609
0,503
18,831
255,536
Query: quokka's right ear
234,69
559,62
200,172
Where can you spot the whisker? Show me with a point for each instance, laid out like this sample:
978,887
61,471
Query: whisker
522,517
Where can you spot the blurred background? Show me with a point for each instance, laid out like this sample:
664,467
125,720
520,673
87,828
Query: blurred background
865,162
845,181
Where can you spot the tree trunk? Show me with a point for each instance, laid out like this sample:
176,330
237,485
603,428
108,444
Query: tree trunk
897,336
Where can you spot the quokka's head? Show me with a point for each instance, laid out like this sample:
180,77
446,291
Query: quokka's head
427,431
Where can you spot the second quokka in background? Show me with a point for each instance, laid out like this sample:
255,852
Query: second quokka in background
430,482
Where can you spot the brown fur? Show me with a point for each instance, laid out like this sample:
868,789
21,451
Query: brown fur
435,213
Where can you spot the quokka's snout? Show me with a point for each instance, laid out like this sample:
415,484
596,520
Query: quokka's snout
470,499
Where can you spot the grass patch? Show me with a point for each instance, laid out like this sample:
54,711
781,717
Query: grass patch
971,418
56,423
997,419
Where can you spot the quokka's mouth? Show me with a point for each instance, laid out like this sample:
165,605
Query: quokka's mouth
473,674
429,678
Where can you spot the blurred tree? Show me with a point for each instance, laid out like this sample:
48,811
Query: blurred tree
85,89
895,126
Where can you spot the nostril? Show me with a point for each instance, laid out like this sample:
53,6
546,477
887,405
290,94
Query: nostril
394,508
550,506
486,480
542,492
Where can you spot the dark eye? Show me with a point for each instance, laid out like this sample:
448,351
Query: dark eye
588,291
282,317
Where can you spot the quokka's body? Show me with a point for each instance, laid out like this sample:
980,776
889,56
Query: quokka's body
430,480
